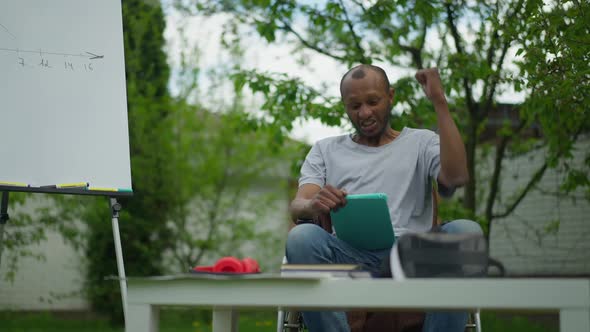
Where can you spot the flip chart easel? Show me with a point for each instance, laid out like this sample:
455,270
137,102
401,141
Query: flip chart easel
115,209
63,104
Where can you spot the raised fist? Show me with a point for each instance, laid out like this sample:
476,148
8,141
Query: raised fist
430,81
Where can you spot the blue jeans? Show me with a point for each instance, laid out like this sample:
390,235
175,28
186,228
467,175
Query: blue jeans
310,244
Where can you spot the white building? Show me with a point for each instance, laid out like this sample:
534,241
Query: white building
548,233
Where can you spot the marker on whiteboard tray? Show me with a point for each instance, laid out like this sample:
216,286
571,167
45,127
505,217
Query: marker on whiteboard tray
124,190
13,184
102,189
77,185
73,185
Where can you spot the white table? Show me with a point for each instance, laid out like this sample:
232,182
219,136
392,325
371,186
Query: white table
569,297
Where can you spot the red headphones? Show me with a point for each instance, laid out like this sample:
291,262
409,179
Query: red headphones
231,264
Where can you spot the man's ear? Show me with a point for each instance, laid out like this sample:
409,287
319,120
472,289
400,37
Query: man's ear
391,95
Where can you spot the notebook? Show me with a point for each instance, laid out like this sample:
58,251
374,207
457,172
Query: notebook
324,270
364,222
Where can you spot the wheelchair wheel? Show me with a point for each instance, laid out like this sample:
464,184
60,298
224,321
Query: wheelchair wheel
293,322
473,322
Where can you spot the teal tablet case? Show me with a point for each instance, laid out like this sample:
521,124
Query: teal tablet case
364,222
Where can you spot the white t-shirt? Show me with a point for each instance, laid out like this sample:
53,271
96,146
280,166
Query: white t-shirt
403,169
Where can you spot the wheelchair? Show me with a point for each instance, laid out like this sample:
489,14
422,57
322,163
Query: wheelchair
292,321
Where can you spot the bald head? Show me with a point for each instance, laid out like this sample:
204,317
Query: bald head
360,71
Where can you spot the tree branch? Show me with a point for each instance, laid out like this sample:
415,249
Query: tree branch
355,37
443,35
492,50
214,209
183,259
416,55
453,28
459,47
490,90
288,28
423,36
360,4
494,181
532,182
495,78
495,36
416,52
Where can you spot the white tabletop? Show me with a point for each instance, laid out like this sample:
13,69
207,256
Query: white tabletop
569,297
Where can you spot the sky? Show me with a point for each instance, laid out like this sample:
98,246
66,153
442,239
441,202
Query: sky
204,34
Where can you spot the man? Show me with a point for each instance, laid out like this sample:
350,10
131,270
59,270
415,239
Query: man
378,158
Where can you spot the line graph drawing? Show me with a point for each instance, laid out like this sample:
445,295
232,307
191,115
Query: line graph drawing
8,31
88,55
24,60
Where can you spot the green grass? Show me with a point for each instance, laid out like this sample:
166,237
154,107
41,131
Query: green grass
194,320
191,320
47,322
516,323
171,320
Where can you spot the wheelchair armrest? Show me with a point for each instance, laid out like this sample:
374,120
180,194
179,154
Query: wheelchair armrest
323,220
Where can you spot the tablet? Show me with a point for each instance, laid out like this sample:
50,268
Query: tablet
364,222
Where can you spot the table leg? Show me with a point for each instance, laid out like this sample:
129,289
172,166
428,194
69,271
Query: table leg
225,320
142,318
574,320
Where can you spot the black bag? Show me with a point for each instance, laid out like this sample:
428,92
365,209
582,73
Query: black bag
440,255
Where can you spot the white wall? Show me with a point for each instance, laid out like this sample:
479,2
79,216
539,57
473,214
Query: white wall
524,241
43,285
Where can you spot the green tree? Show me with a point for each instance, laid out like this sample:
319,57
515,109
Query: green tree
556,68
193,175
470,42
237,177
232,171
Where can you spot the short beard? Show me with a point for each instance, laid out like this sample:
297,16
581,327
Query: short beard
383,130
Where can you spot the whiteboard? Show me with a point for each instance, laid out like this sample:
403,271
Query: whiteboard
63,107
